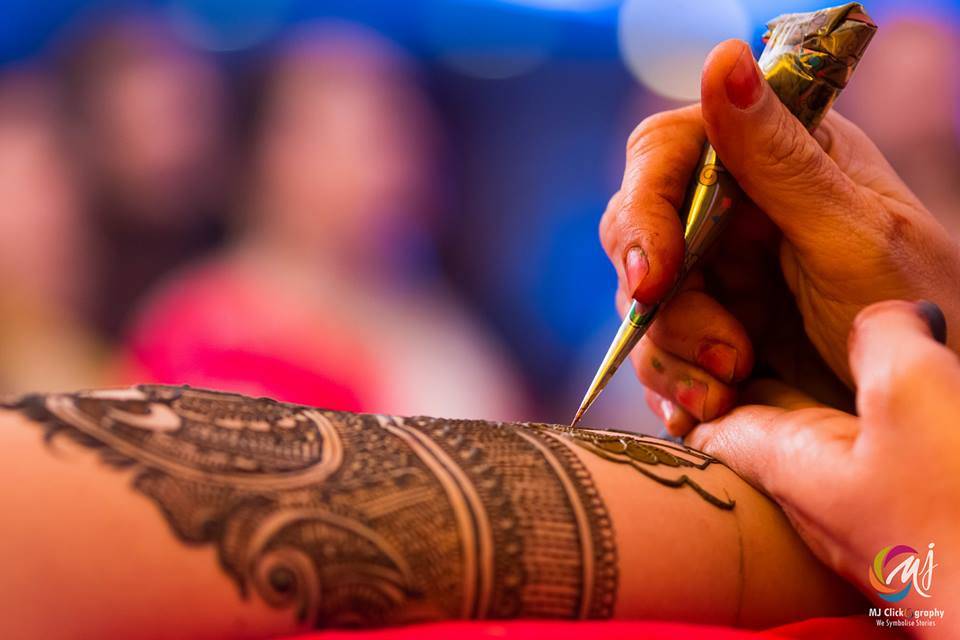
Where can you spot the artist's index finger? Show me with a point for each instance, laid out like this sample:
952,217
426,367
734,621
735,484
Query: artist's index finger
662,152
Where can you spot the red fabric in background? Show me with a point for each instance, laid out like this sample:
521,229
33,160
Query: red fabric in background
852,628
211,328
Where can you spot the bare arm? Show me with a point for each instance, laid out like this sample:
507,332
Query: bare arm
225,515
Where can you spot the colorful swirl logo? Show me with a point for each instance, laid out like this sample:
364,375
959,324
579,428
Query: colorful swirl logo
881,574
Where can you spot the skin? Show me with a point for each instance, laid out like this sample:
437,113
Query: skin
893,465
828,228
829,231
81,540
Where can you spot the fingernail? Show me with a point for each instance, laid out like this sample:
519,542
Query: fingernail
636,267
653,401
718,358
743,81
668,410
933,315
664,408
691,395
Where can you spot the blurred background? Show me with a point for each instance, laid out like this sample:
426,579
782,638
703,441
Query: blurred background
375,206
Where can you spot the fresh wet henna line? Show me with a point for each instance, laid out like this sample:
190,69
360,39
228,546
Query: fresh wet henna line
361,520
645,454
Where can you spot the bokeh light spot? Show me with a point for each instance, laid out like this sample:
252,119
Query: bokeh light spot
664,44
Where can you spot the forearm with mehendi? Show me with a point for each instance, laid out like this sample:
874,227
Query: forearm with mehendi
347,520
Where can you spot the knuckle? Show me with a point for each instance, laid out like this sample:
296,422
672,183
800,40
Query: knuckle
666,185
646,133
651,160
781,141
808,160
790,149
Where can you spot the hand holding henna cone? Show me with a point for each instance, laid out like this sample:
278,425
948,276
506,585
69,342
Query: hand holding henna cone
807,60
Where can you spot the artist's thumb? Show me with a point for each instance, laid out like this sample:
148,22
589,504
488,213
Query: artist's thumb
906,377
776,161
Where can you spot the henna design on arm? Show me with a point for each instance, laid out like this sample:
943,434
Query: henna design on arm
360,520
644,454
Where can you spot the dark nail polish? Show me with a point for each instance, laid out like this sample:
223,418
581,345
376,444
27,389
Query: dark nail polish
743,81
933,315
